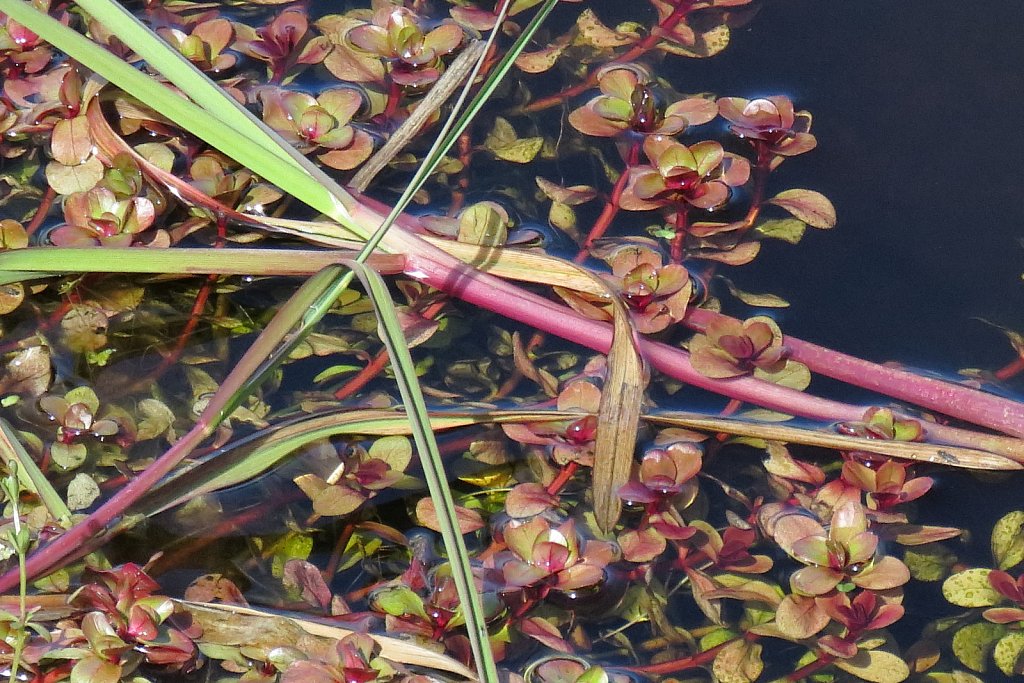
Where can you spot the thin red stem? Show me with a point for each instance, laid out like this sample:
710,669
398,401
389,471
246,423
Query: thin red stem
563,477
682,228
1010,370
379,362
611,207
42,211
686,663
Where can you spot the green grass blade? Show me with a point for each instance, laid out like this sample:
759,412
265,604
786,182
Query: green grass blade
29,474
290,177
391,334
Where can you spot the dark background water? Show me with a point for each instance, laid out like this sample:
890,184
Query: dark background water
917,109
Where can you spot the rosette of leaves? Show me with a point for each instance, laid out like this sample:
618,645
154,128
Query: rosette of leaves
999,635
286,44
729,550
770,122
99,218
630,102
664,473
882,423
218,178
866,612
843,557
127,624
411,53
319,124
730,348
568,440
361,475
886,482
547,557
655,294
563,669
437,616
700,176
205,45
76,415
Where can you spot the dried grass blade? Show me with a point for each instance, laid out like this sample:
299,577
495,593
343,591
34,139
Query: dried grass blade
229,625
953,456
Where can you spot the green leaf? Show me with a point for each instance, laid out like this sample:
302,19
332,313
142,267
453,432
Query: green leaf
973,643
751,299
1007,653
877,666
82,492
503,142
786,229
929,562
334,371
399,601
971,588
1008,540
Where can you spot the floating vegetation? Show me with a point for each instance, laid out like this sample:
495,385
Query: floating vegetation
261,422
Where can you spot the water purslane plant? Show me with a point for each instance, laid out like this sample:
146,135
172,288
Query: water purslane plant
191,158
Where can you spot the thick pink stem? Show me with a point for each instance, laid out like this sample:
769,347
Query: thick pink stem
965,403
506,299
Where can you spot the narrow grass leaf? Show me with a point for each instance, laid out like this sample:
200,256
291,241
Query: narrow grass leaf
390,331
29,474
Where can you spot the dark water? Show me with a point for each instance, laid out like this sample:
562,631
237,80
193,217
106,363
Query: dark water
917,114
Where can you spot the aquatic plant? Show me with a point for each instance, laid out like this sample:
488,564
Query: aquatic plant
561,533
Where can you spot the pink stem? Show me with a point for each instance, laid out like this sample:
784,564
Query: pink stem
965,403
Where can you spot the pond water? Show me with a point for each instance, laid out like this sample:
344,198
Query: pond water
916,114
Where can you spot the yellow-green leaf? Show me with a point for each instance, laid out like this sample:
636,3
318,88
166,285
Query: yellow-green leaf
929,562
1008,540
82,491
786,229
738,662
970,588
973,643
877,666
1007,653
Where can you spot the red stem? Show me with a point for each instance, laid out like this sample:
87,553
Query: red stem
379,362
639,48
611,207
1010,370
563,477
692,662
682,227
42,211
428,264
